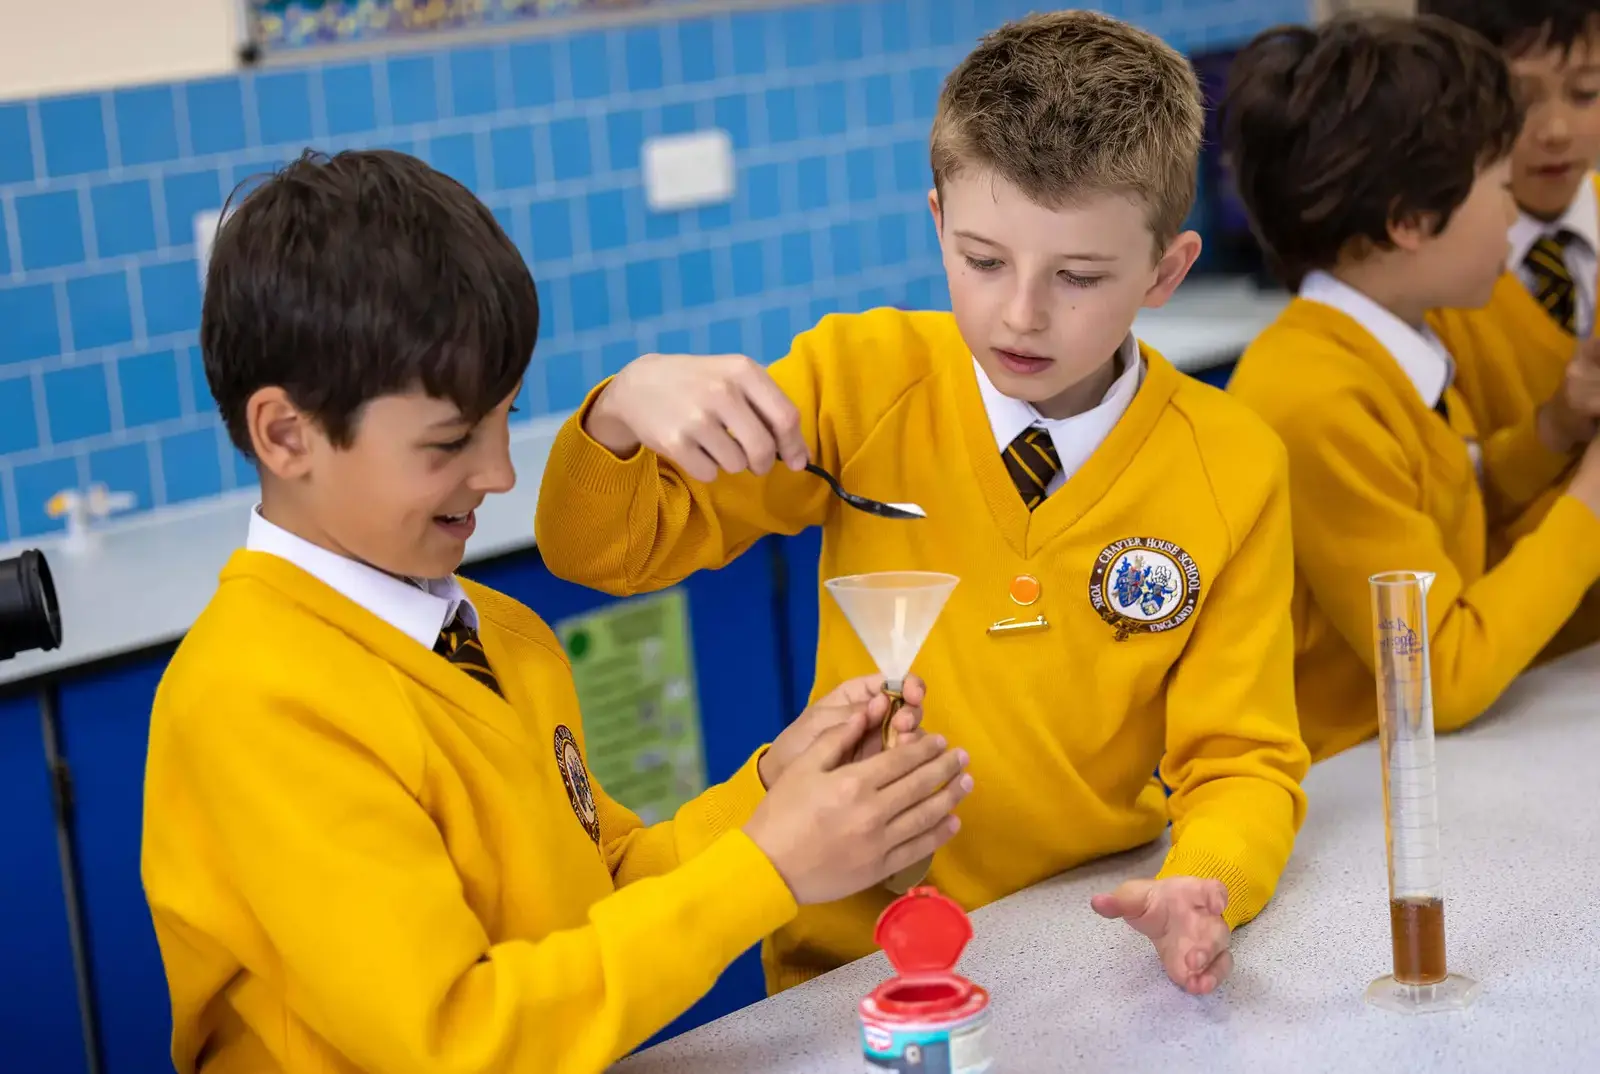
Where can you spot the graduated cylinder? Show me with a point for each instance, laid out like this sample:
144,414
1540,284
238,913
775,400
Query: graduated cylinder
1421,979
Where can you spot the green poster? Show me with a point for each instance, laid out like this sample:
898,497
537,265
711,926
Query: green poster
634,668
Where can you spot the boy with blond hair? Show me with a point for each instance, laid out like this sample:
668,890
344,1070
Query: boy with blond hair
1128,525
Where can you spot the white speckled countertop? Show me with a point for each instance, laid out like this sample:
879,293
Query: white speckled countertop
1071,992
106,597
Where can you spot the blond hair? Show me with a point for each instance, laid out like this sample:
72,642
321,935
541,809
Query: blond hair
1074,103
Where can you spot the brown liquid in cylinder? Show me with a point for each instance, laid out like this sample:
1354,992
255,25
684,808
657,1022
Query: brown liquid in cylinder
1417,926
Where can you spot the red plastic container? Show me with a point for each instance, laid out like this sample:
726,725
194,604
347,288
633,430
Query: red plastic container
927,1018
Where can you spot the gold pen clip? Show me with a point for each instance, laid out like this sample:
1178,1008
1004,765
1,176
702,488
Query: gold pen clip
1013,626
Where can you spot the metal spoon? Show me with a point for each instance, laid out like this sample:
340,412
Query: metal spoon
861,503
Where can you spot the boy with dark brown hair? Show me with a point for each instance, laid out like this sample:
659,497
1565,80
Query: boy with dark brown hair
1545,301
371,842
1373,156
1540,321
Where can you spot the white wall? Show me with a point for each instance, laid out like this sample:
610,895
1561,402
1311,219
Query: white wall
58,46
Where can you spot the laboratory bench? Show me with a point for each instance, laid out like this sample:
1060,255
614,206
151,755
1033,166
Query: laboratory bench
76,934
1072,992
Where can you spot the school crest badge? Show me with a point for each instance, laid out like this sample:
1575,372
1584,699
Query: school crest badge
570,763
1144,585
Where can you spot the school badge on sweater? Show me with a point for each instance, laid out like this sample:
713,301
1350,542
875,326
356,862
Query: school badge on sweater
570,763
1144,585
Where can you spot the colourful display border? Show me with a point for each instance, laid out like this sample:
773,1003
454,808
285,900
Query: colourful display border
284,25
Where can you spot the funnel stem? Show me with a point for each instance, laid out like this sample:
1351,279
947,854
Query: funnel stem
896,703
912,875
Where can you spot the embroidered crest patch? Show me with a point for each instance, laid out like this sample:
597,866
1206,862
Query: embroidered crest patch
1144,585
570,763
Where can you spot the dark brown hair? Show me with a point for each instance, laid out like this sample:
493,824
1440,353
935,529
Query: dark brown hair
1336,132
1520,26
1073,103
342,279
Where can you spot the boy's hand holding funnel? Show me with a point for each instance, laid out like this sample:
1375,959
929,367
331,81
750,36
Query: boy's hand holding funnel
833,827
886,717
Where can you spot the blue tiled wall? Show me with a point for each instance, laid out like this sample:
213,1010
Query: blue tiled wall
828,106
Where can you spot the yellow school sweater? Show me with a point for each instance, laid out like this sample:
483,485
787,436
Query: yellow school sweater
1493,383
1541,348
1381,483
360,859
1184,504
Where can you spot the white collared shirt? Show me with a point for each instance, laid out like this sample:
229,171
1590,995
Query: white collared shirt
1420,354
1075,438
420,609
1582,220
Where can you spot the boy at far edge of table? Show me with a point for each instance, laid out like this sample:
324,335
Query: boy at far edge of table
1402,212
1068,473
1546,296
1539,324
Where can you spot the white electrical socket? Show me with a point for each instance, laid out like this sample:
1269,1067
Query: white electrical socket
682,171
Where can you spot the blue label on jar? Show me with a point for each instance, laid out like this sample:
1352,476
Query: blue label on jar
925,1051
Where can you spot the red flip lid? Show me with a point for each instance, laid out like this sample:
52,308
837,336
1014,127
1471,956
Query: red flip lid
923,932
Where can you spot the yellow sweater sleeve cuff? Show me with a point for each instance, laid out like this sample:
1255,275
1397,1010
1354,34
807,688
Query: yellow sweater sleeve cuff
588,464
1244,840
1520,464
1245,900
722,808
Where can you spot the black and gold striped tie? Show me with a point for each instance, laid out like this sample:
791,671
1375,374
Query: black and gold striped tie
459,644
1031,460
1552,281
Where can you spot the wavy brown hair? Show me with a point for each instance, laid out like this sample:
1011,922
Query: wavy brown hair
345,278
1339,131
